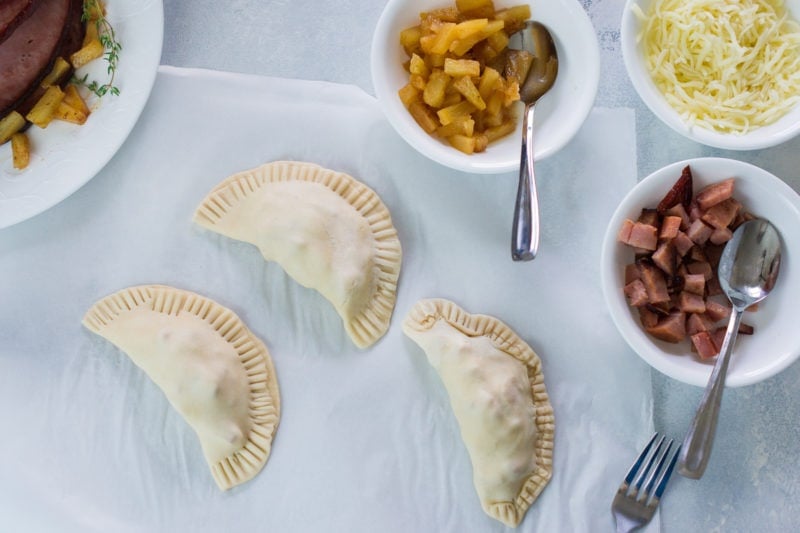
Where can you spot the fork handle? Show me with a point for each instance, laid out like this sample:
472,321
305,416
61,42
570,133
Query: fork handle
525,232
696,448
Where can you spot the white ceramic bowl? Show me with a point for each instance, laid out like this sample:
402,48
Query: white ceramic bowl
559,114
776,342
782,130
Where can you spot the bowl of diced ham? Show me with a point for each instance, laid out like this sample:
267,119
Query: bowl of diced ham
659,270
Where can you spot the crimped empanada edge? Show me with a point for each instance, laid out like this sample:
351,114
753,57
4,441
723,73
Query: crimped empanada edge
424,314
371,323
264,405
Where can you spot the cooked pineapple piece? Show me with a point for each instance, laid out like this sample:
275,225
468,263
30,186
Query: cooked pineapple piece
20,150
461,67
9,125
42,112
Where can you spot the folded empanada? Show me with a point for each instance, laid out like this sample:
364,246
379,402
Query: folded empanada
212,369
327,230
496,388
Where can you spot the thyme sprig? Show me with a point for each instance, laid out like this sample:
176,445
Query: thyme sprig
93,12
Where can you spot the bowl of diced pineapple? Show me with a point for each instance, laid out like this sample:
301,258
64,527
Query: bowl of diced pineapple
447,73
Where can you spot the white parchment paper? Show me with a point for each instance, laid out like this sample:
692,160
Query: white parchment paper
367,440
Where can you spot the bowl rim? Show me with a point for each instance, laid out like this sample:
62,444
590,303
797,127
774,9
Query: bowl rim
780,131
617,307
448,156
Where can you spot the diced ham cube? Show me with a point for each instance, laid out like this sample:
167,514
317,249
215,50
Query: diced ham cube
715,193
698,322
717,311
670,227
720,235
718,336
722,214
697,253
691,303
694,212
654,282
680,212
713,253
699,232
704,343
694,283
631,273
700,267
713,286
746,329
636,293
664,257
648,317
670,329
624,234
683,243
638,235
649,217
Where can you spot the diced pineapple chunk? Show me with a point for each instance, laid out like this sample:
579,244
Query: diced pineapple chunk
461,67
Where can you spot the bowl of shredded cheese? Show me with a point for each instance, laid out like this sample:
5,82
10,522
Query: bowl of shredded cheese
725,73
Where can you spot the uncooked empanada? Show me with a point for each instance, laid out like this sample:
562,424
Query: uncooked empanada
212,369
496,388
327,230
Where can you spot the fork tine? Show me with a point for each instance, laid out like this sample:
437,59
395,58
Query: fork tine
662,484
639,460
643,473
657,472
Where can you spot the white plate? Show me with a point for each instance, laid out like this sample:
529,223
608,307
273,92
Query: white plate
776,342
559,115
64,156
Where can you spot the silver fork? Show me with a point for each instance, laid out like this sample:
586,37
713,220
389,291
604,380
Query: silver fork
636,501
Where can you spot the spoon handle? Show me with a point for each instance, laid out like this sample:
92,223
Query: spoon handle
525,233
696,448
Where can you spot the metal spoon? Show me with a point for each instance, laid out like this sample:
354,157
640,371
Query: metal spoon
747,272
541,76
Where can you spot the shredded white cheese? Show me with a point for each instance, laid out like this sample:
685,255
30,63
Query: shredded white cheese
725,65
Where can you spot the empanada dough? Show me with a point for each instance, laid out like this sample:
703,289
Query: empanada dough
496,388
327,231
212,369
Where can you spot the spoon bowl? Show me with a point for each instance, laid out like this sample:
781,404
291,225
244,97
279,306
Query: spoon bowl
748,269
540,78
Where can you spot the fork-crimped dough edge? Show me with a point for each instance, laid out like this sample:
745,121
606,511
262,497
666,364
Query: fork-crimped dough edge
424,314
372,322
264,405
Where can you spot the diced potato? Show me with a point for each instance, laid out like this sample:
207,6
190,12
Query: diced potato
90,51
470,5
439,42
465,86
408,94
514,17
73,99
42,112
489,82
95,10
90,33
502,130
9,125
417,66
461,67
471,27
462,143
518,64
409,39
60,69
424,116
20,150
453,112
417,81
498,40
463,126
434,92
451,99
481,142
67,113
